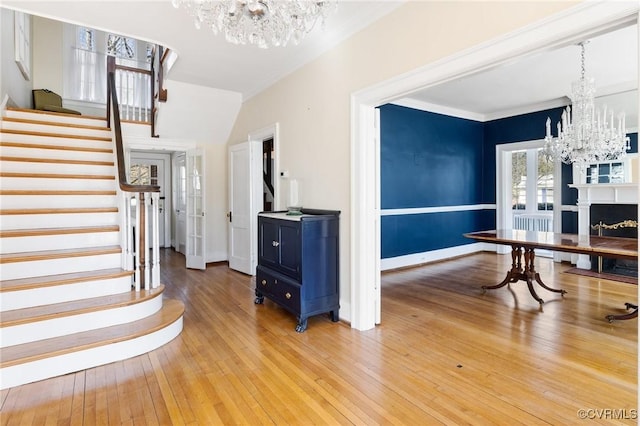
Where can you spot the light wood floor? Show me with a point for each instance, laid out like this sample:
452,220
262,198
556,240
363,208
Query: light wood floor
444,354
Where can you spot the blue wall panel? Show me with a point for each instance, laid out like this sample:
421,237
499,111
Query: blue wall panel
417,233
428,159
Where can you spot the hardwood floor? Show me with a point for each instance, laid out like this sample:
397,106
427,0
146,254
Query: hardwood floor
444,354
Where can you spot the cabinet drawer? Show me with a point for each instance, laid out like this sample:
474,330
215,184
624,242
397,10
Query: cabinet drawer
279,289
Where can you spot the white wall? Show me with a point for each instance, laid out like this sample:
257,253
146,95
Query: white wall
47,54
312,104
12,82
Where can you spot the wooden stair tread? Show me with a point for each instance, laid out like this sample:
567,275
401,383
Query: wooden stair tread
55,147
47,192
59,211
171,311
55,176
62,114
62,279
54,123
36,232
56,160
55,135
57,254
76,307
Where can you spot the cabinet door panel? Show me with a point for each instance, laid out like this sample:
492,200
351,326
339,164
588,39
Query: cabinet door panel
268,241
290,249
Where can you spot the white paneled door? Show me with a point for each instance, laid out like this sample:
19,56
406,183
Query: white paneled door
245,201
196,232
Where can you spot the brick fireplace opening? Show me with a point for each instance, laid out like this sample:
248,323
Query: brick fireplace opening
614,220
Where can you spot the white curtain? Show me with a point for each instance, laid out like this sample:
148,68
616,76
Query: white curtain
86,76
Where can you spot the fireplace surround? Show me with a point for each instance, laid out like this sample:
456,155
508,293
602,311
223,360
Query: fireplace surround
611,196
614,220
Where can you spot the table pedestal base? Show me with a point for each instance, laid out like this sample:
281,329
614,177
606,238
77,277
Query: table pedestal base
630,315
527,274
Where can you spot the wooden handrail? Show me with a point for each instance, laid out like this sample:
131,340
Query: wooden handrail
112,102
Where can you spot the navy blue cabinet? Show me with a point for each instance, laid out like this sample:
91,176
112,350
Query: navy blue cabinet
298,263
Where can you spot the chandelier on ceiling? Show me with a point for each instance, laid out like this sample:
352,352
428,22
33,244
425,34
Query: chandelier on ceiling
264,23
585,134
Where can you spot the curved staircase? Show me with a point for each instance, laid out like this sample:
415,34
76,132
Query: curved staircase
66,304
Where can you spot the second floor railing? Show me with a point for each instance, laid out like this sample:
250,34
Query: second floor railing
134,89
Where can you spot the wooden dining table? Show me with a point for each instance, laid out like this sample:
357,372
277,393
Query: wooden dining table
524,243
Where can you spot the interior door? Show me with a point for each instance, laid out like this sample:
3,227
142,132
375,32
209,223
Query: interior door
196,230
180,187
245,202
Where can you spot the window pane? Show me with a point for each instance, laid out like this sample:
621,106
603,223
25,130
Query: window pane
519,180
544,187
85,39
122,47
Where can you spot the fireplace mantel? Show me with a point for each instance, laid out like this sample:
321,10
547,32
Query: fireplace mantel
600,193
607,193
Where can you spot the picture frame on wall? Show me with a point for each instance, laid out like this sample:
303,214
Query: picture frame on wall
22,32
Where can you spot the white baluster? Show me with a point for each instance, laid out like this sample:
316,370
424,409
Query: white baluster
136,246
155,267
147,275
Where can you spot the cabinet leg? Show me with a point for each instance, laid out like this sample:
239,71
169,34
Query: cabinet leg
302,325
259,298
334,315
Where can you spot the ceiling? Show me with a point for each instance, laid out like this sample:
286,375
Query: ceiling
538,81
543,80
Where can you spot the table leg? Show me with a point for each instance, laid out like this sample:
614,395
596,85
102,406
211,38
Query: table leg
528,274
630,315
514,273
536,276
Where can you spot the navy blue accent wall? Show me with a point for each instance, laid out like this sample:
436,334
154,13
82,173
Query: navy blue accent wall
417,233
428,159
633,139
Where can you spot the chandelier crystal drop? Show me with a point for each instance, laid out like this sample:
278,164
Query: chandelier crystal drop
264,23
585,134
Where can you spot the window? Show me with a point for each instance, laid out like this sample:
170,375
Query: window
606,173
85,67
143,174
121,47
531,180
85,38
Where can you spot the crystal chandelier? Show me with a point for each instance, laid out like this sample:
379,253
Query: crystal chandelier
587,135
264,23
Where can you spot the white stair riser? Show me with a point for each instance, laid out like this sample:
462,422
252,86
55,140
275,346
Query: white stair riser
58,184
55,154
58,242
91,169
19,299
17,270
55,141
68,363
59,220
49,128
57,201
69,119
63,325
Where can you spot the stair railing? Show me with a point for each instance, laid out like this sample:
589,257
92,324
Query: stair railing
135,90
138,203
